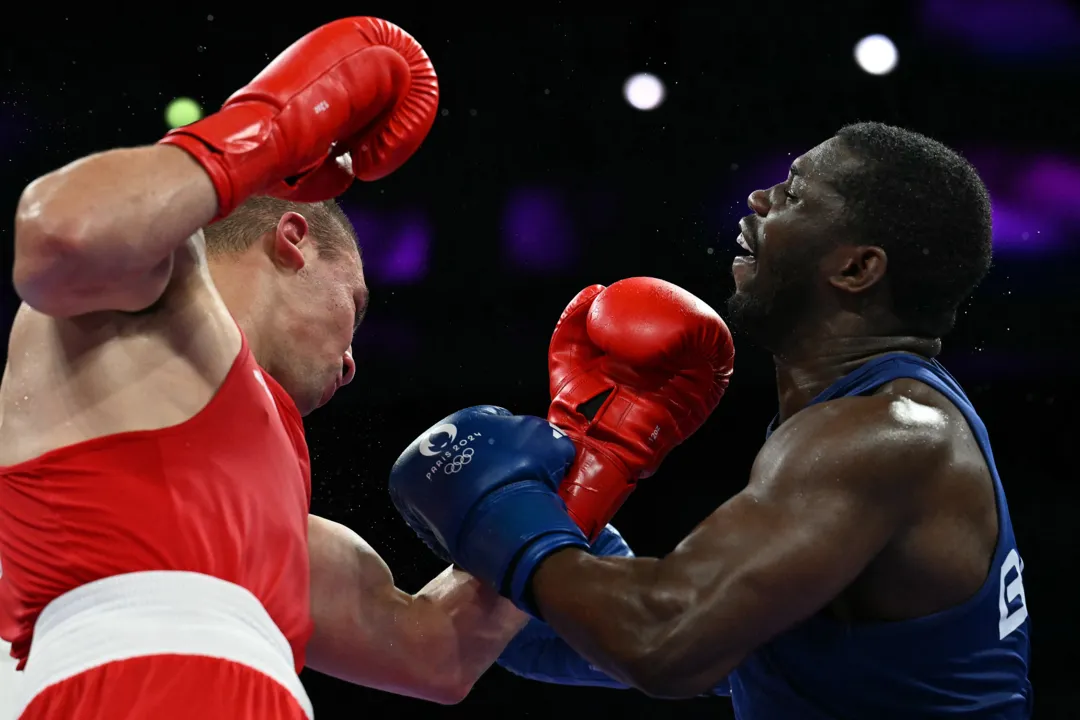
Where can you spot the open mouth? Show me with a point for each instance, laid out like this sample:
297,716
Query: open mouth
747,240
749,258
743,264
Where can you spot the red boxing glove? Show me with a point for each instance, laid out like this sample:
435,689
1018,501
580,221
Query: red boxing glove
635,369
359,85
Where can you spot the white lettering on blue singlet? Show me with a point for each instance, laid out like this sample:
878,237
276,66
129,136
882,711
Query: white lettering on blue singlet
1011,600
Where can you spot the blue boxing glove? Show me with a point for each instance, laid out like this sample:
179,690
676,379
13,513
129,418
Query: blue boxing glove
537,653
480,488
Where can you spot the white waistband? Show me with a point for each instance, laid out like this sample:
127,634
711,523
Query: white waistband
155,613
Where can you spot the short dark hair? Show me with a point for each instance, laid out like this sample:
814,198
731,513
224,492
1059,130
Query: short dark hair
927,207
327,223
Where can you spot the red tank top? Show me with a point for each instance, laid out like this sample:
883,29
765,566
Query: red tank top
225,493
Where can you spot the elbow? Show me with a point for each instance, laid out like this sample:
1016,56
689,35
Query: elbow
442,687
657,682
679,651
647,663
438,673
39,274
47,240
674,681
673,666
45,223
449,693
59,269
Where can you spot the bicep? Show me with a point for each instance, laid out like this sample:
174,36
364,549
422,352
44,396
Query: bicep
355,605
772,556
431,645
785,554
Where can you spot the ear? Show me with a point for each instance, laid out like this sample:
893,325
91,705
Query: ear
857,268
291,230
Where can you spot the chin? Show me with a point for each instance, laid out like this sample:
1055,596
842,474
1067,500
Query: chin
306,408
755,318
322,395
745,311
305,398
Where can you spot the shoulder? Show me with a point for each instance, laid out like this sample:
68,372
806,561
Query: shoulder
877,443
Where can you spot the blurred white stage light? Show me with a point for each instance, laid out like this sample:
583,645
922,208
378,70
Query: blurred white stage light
644,91
876,54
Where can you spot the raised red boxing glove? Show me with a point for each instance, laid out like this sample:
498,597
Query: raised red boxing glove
360,85
636,369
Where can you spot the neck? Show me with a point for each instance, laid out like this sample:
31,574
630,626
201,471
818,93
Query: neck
245,295
804,372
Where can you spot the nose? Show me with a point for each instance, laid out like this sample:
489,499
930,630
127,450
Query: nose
348,367
759,202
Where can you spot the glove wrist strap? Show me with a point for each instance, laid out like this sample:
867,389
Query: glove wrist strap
234,146
594,489
510,533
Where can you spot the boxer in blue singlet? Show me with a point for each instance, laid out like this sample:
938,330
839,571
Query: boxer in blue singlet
869,570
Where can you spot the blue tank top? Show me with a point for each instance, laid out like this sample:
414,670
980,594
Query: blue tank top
968,661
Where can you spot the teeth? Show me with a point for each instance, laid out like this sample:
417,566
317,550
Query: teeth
743,244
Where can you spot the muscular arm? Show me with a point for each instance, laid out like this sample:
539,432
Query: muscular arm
99,233
824,498
432,645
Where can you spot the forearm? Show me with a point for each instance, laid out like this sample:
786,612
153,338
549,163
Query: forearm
627,618
465,626
433,645
116,214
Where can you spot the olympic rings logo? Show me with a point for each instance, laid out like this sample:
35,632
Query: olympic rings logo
458,462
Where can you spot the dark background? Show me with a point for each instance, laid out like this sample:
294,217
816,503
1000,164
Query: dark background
539,179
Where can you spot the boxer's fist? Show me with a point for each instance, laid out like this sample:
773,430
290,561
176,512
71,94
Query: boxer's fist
635,369
480,488
360,86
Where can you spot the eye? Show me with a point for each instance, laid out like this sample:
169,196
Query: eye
789,195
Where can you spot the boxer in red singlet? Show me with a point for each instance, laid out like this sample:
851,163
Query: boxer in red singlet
158,556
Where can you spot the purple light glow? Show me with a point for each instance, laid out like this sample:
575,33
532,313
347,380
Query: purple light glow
395,245
1035,198
538,232
406,260
1052,184
766,172
1018,231
1005,27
